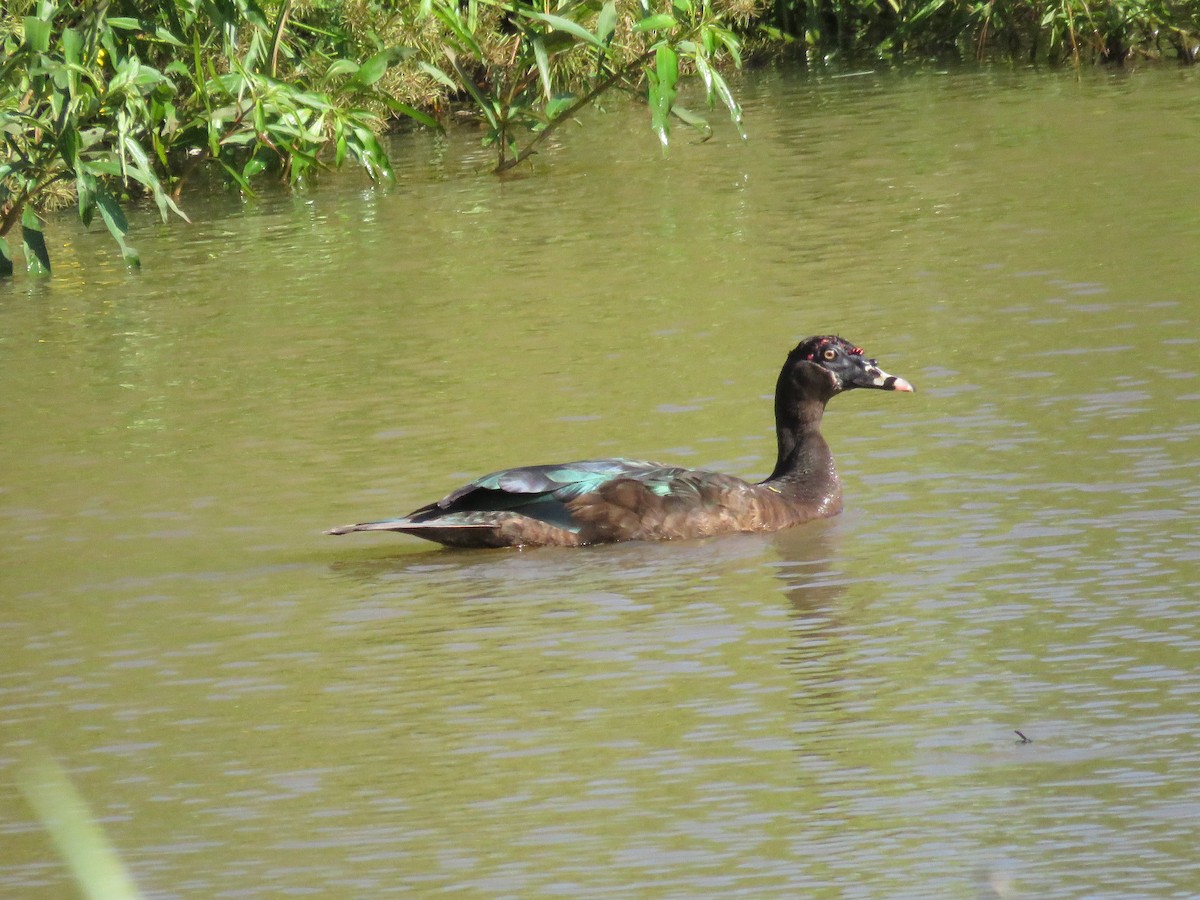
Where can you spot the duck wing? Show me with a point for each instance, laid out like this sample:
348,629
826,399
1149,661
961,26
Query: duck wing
530,505
675,504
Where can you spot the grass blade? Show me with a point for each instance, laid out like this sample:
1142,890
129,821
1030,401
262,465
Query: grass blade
79,839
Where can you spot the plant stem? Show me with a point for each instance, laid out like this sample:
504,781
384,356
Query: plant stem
567,113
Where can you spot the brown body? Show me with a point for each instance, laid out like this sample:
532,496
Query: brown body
604,501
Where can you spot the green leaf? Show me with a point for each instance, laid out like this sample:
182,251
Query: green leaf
726,95
37,34
237,176
301,163
732,44
439,76
666,64
308,98
659,22
405,110
341,67
167,38
85,194
125,23
113,215
72,42
706,74
366,148
147,77
6,264
486,106
661,94
373,69
543,64
37,258
654,101
606,24
114,218
923,13
559,105
558,23
693,120
68,145
254,165
454,22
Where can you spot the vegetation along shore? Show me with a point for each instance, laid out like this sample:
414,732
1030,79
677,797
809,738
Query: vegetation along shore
103,101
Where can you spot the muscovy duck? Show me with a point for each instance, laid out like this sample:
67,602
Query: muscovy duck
601,501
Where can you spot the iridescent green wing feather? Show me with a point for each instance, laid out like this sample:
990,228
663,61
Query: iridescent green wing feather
540,492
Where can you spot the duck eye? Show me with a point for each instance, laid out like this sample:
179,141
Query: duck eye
830,354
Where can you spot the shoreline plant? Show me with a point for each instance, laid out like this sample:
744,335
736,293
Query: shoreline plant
113,100
1052,32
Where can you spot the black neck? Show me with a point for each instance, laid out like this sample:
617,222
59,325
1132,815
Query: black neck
804,468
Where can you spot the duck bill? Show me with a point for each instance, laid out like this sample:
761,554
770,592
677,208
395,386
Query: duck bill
872,376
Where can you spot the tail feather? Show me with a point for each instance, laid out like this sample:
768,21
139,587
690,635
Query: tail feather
405,525
490,528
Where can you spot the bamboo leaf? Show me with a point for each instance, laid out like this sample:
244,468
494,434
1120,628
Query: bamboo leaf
111,212
543,64
452,20
238,177
368,151
37,257
167,37
706,74
659,22
558,23
692,120
85,193
606,24
68,146
731,43
467,82
662,90
114,219
373,69
666,62
341,67
439,76
726,95
415,114
254,165
559,105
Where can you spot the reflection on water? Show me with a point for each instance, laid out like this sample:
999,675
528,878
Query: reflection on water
251,708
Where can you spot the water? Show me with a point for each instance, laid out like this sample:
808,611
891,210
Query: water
252,708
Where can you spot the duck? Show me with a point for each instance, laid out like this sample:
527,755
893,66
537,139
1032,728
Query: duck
602,501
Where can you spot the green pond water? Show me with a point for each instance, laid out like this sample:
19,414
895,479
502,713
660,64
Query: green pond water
254,709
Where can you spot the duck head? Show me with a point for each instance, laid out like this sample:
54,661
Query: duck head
826,365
